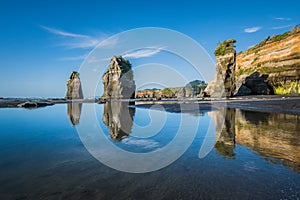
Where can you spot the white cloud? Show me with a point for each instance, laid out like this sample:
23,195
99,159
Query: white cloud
147,52
252,29
283,18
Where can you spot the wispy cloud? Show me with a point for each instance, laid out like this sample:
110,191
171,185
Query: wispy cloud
252,29
147,52
283,18
281,27
78,41
63,33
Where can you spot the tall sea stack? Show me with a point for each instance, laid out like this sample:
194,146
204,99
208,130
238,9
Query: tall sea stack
118,80
223,84
74,90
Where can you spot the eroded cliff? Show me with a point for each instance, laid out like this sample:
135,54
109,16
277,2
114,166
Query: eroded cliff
276,58
270,67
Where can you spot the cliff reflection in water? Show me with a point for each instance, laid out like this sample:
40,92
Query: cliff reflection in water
118,116
74,112
273,135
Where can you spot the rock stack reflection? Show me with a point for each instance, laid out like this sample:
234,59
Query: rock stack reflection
274,136
226,140
118,116
74,112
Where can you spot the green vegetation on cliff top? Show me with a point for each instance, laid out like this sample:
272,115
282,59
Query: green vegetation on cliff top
227,46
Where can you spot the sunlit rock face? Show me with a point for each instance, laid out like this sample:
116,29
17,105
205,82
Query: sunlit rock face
74,89
276,57
118,116
118,80
74,112
270,67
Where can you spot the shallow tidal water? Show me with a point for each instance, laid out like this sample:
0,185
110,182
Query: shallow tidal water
44,153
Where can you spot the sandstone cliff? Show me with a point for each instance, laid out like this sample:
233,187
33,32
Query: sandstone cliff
270,67
278,59
118,80
74,90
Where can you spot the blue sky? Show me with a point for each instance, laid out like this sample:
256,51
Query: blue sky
43,41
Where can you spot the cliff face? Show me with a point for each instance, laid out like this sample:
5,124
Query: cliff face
270,67
276,58
74,90
118,80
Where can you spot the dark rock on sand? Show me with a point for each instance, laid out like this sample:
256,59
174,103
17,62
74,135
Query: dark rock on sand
30,104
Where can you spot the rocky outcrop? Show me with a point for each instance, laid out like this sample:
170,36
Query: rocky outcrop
223,83
118,80
276,58
34,104
74,89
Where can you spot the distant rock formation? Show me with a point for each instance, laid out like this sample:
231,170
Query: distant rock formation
118,80
192,89
223,83
74,90
118,116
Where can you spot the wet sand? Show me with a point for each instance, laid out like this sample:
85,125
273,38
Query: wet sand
279,104
274,103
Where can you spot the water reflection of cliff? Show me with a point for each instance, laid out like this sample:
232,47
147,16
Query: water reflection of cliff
74,112
118,116
274,136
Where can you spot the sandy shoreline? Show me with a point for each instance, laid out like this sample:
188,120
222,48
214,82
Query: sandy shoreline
282,104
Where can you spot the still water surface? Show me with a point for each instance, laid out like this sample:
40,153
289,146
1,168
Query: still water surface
254,156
